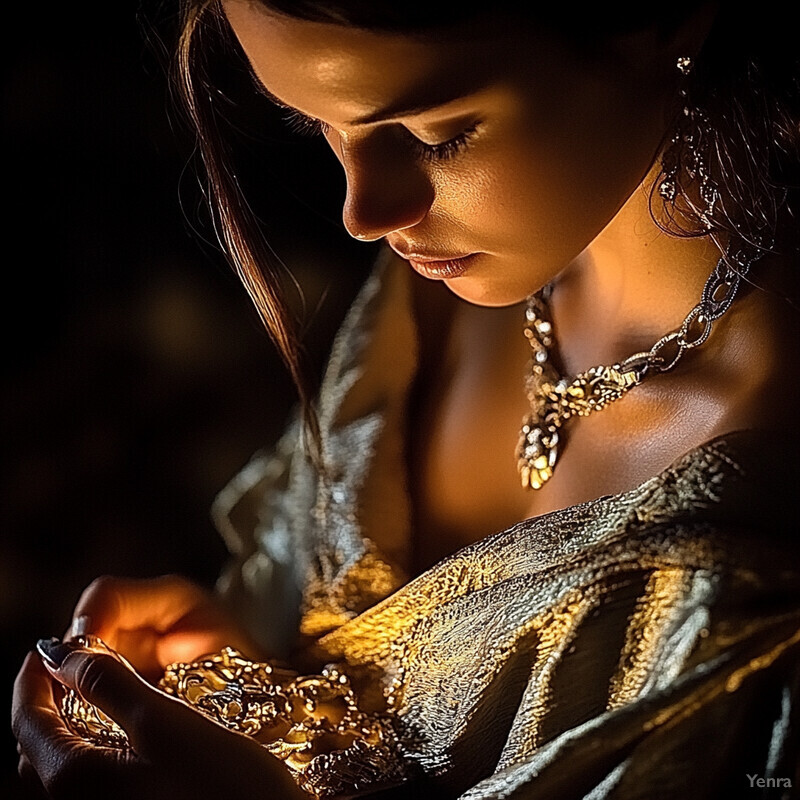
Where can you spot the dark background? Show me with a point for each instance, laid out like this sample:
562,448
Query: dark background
137,378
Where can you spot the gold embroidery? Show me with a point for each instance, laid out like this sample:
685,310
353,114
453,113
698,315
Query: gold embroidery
655,609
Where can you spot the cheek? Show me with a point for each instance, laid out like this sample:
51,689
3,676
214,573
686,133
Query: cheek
548,183
467,192
514,197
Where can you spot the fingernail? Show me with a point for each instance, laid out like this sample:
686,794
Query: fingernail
80,625
53,651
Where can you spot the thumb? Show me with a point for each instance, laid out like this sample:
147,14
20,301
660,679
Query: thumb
153,720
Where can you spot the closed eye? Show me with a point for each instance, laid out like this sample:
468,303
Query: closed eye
303,124
442,151
310,126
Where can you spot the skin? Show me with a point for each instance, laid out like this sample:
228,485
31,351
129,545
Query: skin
549,184
152,622
553,186
556,143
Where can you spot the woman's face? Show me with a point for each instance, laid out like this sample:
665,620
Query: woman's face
488,155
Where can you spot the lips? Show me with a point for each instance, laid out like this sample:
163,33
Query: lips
436,266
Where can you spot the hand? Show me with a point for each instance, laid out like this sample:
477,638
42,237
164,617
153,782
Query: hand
176,752
154,622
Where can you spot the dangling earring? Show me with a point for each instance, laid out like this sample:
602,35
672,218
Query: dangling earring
688,152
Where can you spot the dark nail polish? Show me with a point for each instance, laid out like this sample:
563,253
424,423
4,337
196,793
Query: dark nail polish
54,651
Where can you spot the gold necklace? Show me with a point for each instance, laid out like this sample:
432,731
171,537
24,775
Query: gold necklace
555,399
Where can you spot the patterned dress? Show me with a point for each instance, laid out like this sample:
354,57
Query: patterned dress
641,645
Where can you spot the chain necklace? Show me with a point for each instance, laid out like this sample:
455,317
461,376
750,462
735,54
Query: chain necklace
554,399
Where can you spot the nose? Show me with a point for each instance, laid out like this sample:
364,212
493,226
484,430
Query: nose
386,188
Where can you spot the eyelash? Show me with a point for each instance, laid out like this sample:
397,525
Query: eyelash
443,151
305,126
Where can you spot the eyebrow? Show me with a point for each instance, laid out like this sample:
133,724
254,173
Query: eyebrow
400,109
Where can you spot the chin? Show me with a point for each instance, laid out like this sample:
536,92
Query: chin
490,294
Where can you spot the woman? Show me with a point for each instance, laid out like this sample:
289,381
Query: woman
609,200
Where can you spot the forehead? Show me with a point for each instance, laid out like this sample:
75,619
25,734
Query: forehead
344,73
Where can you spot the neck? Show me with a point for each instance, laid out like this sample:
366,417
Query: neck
631,285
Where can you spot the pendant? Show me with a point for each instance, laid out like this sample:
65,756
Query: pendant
593,390
537,453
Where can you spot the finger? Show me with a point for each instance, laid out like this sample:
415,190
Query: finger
32,687
155,722
43,738
56,762
165,733
34,715
152,622
110,604
34,708
79,626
